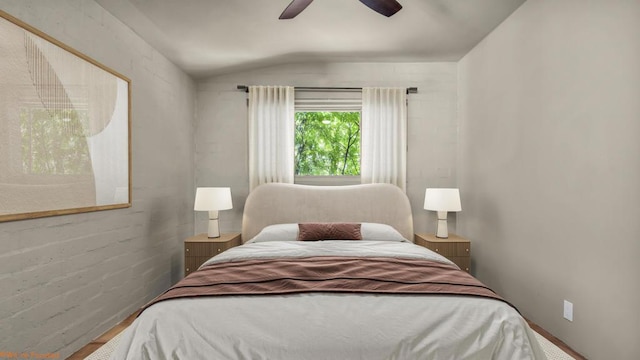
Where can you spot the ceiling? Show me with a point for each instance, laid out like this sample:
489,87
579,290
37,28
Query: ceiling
210,37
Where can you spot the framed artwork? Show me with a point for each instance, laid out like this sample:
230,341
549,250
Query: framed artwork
65,128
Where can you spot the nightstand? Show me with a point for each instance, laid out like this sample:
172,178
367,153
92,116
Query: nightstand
454,248
200,248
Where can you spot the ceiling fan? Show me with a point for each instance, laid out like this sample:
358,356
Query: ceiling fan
384,7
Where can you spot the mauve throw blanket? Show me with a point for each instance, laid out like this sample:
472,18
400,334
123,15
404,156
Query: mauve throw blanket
327,274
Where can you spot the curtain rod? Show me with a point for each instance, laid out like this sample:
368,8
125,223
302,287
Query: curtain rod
410,90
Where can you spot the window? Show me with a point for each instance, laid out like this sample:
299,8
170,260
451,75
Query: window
327,143
327,137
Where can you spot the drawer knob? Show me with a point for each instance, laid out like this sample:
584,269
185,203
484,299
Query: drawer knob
467,250
187,249
437,250
219,250
187,269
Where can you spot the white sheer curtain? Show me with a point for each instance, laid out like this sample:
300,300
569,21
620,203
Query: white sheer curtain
271,134
384,136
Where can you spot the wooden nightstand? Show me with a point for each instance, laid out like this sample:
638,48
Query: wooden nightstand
454,248
200,248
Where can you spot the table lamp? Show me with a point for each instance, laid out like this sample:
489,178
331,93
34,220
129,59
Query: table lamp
442,201
212,199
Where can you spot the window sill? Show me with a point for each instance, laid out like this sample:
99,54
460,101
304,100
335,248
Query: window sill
327,180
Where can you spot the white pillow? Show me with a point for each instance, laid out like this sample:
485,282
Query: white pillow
380,232
277,232
289,232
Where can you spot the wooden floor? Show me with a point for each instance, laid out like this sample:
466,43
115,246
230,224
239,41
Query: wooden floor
555,341
103,339
95,344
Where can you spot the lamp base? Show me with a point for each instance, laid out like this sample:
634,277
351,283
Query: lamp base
443,230
214,228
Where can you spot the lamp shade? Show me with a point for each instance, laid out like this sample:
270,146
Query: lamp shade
442,200
213,198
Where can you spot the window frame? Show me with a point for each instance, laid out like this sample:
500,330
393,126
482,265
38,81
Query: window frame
329,101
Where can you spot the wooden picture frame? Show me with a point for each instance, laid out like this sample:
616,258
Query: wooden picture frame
65,128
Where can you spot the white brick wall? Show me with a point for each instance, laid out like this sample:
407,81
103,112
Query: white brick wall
65,280
221,130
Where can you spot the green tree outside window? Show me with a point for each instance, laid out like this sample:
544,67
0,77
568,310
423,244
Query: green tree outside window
327,143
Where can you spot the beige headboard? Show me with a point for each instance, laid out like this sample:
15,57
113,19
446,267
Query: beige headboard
277,203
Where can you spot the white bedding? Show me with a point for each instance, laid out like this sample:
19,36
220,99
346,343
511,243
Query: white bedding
329,325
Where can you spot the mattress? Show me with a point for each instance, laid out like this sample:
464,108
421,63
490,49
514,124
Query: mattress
329,325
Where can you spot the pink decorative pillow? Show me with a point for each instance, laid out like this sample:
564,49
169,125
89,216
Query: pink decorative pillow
329,231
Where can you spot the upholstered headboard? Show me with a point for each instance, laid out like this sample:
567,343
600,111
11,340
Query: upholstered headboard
277,203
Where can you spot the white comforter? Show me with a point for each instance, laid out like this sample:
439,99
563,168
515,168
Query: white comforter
329,325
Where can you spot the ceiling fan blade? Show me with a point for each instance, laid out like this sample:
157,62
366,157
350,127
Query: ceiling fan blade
384,7
294,9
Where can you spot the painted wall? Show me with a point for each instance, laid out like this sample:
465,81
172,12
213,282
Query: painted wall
221,130
549,169
65,280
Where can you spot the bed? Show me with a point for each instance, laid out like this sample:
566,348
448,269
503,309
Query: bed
362,296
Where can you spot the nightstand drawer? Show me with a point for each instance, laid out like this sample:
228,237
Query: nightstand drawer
192,263
200,248
205,249
455,248
449,249
463,262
